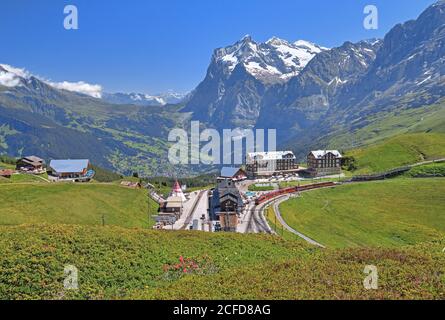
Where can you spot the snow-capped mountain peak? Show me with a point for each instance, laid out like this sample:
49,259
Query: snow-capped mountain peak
309,46
142,99
275,60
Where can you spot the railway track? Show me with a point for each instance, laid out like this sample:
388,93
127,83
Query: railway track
256,222
189,218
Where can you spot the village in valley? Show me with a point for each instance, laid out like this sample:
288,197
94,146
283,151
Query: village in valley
237,199
235,204
295,162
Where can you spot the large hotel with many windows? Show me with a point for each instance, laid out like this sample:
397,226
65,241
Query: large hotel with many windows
264,164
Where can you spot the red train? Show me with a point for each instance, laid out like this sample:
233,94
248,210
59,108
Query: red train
281,192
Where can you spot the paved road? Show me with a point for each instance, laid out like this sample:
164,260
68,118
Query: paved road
276,208
191,212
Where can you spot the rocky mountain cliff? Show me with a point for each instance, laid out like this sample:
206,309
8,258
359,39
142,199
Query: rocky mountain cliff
314,96
239,76
312,93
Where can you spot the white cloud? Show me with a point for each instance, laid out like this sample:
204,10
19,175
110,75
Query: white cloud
12,77
16,71
93,90
9,79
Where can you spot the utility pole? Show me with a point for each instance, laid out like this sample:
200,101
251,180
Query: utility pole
103,219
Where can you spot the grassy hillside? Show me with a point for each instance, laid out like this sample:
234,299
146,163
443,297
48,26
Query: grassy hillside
7,162
85,204
103,175
427,170
122,263
385,125
26,178
276,226
388,213
398,151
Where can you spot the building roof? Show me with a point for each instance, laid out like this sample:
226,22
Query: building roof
33,159
229,196
321,153
177,191
228,172
273,155
69,166
173,202
230,193
6,172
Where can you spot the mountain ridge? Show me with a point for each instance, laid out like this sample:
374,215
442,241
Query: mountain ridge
330,93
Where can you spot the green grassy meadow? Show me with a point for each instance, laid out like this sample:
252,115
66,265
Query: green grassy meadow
427,170
119,263
68,203
278,227
397,225
398,151
25,178
386,125
4,165
386,213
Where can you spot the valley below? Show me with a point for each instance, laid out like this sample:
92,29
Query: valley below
134,225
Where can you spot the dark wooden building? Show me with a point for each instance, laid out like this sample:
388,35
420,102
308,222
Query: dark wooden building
31,164
230,204
324,162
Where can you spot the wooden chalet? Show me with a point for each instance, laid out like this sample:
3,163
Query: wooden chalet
31,164
324,162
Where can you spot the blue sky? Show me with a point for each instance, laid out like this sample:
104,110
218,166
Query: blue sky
153,46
